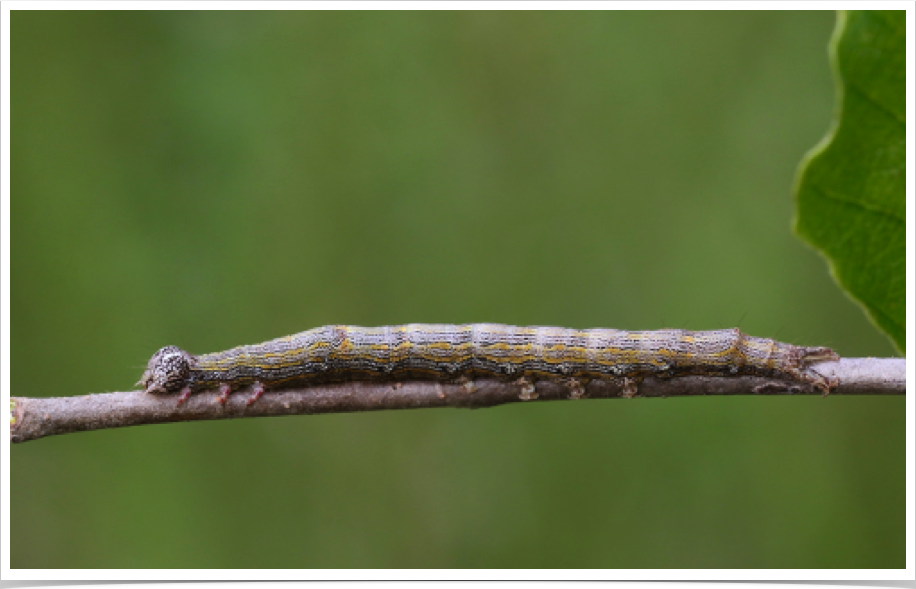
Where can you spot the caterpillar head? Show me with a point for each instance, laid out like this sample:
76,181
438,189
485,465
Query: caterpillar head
167,371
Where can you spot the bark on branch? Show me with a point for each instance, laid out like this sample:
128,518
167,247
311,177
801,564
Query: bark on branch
34,418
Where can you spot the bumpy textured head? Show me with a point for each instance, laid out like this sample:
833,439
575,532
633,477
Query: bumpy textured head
167,371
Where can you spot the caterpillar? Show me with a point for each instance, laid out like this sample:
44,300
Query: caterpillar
455,352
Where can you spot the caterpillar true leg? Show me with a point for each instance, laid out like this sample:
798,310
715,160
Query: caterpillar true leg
258,390
185,393
224,390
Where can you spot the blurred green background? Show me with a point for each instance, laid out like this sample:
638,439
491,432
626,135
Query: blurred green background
210,179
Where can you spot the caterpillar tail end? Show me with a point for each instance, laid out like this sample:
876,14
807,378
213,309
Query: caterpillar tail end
818,354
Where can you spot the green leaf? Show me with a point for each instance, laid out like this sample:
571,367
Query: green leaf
851,188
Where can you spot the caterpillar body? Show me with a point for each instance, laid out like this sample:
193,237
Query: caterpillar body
452,352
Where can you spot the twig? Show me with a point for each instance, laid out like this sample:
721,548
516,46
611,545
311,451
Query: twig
34,418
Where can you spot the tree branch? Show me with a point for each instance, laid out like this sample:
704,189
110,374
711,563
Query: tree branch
34,418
